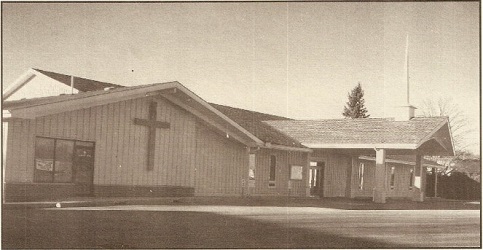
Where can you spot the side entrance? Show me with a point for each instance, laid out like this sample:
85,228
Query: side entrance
316,178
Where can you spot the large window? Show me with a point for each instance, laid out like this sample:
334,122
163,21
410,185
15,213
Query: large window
54,160
273,164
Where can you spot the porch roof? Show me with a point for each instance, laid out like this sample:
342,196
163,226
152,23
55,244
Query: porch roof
430,135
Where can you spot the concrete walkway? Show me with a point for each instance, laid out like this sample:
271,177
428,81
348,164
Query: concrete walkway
336,203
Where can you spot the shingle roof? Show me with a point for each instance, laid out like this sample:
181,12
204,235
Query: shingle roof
253,122
359,131
81,84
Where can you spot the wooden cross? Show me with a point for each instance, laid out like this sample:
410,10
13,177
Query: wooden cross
152,124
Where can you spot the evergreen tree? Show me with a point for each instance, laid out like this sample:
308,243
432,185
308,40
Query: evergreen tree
355,106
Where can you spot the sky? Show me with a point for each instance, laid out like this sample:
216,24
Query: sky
297,60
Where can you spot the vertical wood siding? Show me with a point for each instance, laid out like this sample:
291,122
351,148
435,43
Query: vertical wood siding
120,157
401,180
221,164
285,159
336,175
336,170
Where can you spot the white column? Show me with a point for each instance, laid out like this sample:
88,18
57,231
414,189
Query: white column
419,180
4,152
435,172
380,177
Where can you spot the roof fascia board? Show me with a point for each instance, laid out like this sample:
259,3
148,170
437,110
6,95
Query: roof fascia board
205,119
399,162
217,112
370,146
451,136
19,83
428,136
286,148
102,98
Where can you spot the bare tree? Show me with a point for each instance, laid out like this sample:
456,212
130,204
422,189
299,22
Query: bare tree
459,126
458,122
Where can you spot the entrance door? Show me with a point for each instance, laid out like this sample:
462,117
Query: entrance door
316,178
83,168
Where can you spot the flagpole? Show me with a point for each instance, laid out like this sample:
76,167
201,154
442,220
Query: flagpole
407,67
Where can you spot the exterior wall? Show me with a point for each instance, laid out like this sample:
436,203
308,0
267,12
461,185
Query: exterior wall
120,145
188,154
336,173
284,160
221,164
401,180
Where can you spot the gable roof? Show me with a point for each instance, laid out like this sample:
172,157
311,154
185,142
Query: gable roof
172,91
365,133
249,127
81,84
253,122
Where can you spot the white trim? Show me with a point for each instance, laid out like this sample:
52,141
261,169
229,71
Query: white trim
389,160
105,97
204,118
366,146
18,83
288,148
6,114
217,112
429,135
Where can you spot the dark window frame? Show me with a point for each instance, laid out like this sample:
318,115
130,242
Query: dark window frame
411,178
272,171
362,169
392,180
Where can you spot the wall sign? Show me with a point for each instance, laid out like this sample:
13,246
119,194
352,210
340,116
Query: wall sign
296,172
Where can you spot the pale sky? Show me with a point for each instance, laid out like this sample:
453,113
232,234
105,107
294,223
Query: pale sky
292,59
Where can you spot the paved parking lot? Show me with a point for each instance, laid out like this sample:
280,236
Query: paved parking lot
214,226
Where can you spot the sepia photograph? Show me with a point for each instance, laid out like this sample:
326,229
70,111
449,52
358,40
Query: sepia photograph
241,125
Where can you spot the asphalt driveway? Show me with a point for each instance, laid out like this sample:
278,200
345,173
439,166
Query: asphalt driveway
214,226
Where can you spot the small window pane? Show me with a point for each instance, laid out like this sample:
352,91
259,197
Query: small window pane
63,161
44,159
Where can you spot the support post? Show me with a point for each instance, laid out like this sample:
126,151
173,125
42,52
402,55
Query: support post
420,180
435,173
380,177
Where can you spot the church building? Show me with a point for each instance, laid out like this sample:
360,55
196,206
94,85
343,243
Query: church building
66,136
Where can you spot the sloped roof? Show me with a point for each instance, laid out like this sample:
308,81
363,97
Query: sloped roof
359,131
24,103
253,122
37,107
81,84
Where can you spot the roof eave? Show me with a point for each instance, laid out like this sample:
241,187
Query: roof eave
360,146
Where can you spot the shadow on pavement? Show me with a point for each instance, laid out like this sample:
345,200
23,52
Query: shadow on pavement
32,228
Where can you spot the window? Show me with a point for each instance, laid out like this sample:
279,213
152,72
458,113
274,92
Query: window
54,160
411,178
251,167
361,176
391,182
273,164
